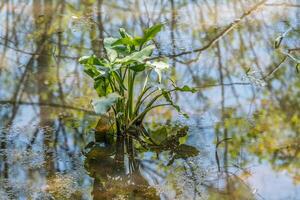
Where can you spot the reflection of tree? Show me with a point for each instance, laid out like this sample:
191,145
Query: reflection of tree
42,13
234,189
116,164
273,136
111,179
277,139
38,67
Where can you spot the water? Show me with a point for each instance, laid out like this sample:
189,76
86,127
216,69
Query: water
240,142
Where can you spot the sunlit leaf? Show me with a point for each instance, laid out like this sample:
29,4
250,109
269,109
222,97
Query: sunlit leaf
92,60
103,104
138,41
124,34
84,59
101,86
138,67
112,54
138,56
121,50
151,32
91,70
124,41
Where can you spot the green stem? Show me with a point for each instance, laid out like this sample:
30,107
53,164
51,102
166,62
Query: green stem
156,97
131,78
146,80
139,100
112,85
142,115
126,68
120,82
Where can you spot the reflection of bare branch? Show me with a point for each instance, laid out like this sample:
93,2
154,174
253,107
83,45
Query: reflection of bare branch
229,28
283,4
224,84
193,177
33,138
275,68
48,104
294,49
37,53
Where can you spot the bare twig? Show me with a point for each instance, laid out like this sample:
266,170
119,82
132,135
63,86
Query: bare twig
37,53
275,68
5,102
229,28
224,84
283,4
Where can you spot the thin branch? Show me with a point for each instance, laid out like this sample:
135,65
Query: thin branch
36,53
283,4
224,84
275,68
294,49
6,102
229,28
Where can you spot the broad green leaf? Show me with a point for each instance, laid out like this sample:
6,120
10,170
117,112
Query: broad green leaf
101,85
138,56
83,59
103,71
148,35
112,54
109,41
122,51
115,67
103,104
124,41
168,135
92,60
151,32
138,41
94,66
159,135
91,70
137,67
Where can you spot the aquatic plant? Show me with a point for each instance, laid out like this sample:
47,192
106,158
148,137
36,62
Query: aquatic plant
115,74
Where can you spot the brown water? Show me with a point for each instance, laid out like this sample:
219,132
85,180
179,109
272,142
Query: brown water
242,139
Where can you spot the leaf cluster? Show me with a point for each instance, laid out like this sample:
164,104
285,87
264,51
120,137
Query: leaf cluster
115,76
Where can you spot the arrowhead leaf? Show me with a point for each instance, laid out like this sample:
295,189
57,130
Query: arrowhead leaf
108,45
138,56
103,104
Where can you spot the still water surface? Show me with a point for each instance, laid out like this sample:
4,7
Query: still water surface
242,140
